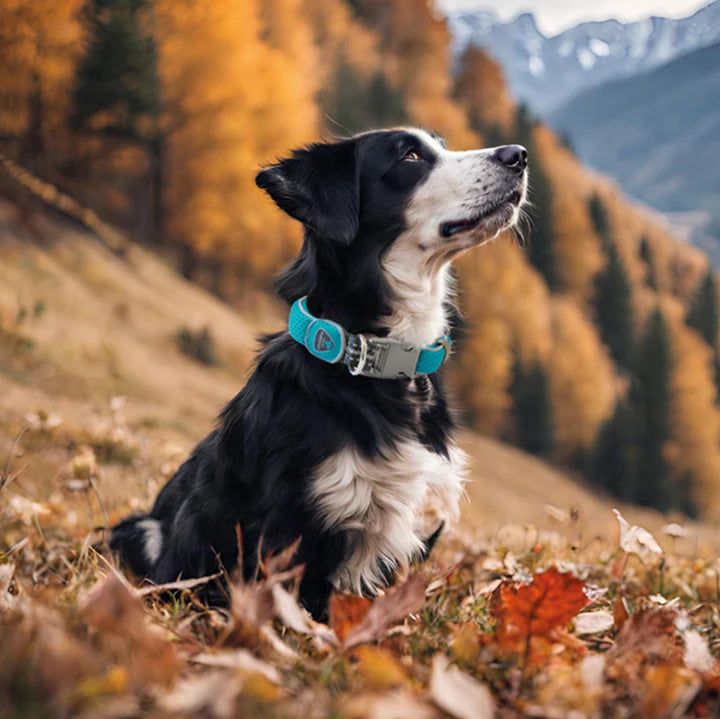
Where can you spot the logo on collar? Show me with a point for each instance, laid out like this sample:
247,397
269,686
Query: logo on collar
322,341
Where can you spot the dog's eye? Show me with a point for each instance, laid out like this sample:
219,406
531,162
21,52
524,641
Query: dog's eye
412,155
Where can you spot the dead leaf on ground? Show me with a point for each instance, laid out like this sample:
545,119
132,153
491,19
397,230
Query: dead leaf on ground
668,691
379,667
399,601
465,643
523,611
593,622
346,612
240,659
125,631
459,694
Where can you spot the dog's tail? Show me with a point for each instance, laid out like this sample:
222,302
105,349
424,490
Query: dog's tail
139,542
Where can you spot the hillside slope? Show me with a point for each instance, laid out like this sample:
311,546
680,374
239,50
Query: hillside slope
665,153
108,328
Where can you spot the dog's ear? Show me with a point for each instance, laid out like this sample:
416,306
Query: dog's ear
319,186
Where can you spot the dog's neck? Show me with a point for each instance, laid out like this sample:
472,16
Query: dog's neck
419,300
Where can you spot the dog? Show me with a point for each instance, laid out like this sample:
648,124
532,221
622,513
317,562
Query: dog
343,430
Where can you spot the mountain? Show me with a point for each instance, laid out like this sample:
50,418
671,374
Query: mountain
663,148
545,72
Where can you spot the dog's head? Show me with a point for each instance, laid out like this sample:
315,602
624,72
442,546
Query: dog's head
384,214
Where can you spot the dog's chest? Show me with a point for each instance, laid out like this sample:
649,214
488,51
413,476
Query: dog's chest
379,502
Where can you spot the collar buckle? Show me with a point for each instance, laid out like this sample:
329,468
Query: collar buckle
381,358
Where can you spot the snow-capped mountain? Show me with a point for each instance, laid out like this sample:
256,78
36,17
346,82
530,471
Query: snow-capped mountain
545,72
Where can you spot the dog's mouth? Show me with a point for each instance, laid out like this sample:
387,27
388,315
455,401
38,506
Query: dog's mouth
455,227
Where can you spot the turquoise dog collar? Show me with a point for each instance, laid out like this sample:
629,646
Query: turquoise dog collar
379,357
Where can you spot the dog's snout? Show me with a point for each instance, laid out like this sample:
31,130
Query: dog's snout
512,156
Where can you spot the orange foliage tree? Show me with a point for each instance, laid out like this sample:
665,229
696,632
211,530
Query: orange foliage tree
39,44
231,102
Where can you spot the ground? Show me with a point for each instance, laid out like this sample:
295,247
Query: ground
534,605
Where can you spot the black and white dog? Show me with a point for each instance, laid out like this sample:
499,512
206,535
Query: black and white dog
342,432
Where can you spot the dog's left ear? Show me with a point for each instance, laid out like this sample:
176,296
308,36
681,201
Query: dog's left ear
319,186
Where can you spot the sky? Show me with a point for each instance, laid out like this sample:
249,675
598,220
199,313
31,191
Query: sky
553,16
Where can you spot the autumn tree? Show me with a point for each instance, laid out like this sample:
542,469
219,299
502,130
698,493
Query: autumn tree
652,395
693,448
39,43
231,102
581,381
416,41
482,92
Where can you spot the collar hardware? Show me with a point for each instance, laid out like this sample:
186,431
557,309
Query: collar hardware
377,357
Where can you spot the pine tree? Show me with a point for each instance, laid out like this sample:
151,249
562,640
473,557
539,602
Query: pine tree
703,316
541,250
532,407
614,466
117,89
646,255
598,215
651,394
613,292
356,104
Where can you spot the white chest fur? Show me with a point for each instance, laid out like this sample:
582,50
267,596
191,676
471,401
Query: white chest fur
379,502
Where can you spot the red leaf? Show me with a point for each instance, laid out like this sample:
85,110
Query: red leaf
346,612
537,609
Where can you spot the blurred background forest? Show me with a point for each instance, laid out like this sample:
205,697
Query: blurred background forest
594,344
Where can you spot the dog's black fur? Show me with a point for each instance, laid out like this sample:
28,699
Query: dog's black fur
296,411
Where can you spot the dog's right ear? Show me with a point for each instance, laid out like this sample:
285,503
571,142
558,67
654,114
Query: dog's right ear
284,183
319,186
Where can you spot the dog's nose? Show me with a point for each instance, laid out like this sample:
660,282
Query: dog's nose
512,156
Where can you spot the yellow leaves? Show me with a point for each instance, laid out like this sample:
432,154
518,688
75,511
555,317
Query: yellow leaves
581,379
233,102
378,667
694,446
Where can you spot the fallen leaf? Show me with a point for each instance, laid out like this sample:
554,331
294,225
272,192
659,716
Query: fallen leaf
289,612
346,612
668,691
620,612
537,609
465,643
211,694
647,637
240,659
378,667
391,705
593,622
125,631
636,540
459,694
399,601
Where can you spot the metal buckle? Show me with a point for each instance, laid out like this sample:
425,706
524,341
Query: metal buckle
389,359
